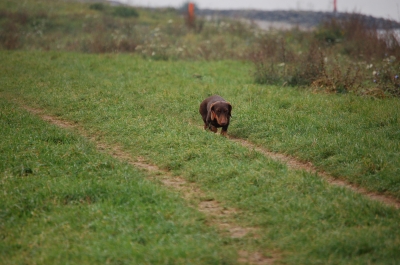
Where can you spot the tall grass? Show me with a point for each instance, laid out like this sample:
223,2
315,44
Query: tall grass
101,28
345,55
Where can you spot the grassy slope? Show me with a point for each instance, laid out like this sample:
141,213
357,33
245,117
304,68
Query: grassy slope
150,108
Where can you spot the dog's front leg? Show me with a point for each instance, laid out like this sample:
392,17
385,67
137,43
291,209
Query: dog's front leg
213,128
224,131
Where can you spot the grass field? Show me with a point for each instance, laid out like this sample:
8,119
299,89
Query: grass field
104,160
63,201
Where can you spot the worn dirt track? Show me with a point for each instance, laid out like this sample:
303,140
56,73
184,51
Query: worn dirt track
293,163
217,215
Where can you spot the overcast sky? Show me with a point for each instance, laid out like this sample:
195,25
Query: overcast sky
378,8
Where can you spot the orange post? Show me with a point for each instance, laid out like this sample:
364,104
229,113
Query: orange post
191,14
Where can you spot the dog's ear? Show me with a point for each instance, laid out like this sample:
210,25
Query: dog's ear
213,115
212,112
229,108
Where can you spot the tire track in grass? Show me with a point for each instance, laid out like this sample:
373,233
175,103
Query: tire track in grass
217,215
296,164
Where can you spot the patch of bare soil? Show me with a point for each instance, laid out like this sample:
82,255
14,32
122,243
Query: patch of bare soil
293,163
217,215
255,258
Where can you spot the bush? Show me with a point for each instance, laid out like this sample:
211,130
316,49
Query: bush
387,76
125,12
271,59
330,32
338,57
97,6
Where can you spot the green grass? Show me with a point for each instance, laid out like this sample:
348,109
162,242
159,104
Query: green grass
63,202
350,137
150,108
357,139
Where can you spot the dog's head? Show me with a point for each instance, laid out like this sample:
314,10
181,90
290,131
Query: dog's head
221,111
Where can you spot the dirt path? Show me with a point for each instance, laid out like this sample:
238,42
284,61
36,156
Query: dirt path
293,163
217,215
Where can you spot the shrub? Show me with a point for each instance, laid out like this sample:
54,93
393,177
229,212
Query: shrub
125,12
270,59
338,57
330,32
358,37
97,6
10,36
387,76
309,67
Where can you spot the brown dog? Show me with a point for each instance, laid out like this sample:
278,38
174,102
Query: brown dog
216,113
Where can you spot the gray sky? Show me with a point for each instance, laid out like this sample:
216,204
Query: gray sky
378,8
